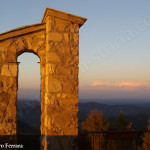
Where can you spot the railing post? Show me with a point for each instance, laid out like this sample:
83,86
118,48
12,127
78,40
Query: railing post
93,140
99,140
148,138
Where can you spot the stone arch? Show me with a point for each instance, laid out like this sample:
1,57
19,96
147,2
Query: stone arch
26,51
55,40
12,48
36,95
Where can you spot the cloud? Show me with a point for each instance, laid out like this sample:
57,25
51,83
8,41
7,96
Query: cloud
121,84
116,90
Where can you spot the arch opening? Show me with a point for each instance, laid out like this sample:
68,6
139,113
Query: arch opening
28,94
25,51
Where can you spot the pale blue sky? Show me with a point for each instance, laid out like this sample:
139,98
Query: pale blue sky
114,42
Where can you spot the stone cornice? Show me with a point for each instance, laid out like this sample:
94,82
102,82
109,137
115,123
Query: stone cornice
64,16
22,31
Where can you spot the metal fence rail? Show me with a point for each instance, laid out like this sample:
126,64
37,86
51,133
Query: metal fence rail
120,140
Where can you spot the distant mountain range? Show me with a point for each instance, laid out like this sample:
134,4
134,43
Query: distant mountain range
29,114
28,94
135,113
34,94
113,110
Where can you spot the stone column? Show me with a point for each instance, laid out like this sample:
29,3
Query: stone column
61,84
8,98
61,95
60,122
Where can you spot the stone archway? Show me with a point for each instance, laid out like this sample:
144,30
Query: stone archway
55,41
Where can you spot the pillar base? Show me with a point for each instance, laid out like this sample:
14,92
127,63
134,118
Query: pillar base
60,143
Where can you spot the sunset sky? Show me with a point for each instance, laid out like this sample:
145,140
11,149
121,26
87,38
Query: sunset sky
114,46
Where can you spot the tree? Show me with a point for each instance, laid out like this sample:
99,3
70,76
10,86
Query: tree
122,123
146,138
96,122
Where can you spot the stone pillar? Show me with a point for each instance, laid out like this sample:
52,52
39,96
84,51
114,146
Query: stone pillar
60,125
8,99
61,95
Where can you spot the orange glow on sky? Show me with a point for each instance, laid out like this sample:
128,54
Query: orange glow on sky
121,84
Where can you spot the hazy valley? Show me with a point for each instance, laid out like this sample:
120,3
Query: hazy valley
29,114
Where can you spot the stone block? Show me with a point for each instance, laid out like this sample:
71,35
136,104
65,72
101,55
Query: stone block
41,54
62,119
76,38
55,36
52,58
75,60
72,132
75,71
9,70
66,37
61,95
50,98
8,129
48,122
64,51
40,45
67,96
53,85
76,28
8,83
72,28
60,25
75,51
11,57
11,117
50,110
50,69
68,87
19,44
4,98
63,70
68,101
1,86
47,99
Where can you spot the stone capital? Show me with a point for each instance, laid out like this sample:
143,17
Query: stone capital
52,13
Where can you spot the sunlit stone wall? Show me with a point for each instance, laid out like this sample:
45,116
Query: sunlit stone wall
56,42
61,90
10,49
